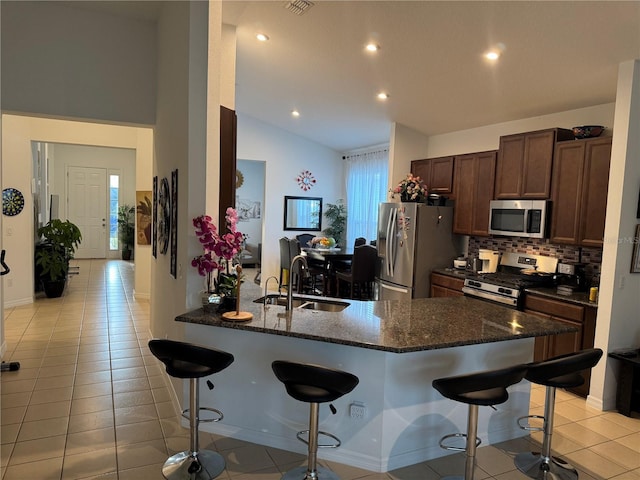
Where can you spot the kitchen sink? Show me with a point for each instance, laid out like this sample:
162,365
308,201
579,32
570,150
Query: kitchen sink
306,303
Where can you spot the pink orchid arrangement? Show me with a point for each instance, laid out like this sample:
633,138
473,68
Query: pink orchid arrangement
219,249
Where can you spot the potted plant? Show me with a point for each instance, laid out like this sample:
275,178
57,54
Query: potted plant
60,240
126,229
337,216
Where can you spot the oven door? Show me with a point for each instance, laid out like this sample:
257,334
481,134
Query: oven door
493,297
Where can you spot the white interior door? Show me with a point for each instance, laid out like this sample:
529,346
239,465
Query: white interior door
87,208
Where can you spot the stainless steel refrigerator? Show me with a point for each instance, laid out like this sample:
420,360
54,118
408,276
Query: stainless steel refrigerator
413,239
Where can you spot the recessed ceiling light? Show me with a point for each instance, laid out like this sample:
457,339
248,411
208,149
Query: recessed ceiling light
495,52
295,113
372,47
262,37
383,96
492,55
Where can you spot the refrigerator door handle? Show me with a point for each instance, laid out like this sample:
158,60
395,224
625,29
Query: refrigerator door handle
395,289
391,242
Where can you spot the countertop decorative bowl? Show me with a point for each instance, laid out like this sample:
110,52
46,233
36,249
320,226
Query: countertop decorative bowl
587,131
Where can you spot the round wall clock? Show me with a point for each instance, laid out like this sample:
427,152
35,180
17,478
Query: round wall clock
306,180
164,216
12,201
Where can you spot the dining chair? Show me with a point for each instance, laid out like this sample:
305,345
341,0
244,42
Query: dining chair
359,241
304,239
304,280
363,270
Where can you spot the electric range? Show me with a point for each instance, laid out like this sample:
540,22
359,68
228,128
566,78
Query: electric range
516,272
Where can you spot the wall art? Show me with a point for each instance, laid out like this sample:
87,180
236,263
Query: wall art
144,211
306,180
174,223
154,219
164,216
635,259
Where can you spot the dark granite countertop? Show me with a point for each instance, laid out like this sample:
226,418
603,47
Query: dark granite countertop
392,325
579,298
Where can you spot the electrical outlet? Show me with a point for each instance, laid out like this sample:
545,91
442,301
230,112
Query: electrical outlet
357,410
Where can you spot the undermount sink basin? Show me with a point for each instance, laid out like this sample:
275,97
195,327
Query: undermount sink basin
308,304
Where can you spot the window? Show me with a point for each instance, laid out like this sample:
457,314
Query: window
114,192
366,175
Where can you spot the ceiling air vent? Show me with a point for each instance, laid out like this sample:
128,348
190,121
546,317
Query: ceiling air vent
299,7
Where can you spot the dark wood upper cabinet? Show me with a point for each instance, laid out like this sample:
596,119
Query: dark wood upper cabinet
579,191
525,162
228,136
436,173
473,189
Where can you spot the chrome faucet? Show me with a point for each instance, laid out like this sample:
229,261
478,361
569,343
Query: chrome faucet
266,283
295,259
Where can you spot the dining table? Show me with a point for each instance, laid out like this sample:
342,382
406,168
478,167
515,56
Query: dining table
332,259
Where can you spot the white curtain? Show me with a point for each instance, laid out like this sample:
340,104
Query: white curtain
366,175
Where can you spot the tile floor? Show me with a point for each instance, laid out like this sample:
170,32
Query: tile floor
90,402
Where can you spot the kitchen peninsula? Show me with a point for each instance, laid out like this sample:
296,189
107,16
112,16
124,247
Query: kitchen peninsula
396,348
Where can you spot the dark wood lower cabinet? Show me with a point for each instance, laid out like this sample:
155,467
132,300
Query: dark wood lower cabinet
581,317
446,286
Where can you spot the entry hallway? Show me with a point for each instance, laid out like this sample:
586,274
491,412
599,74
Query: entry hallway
90,402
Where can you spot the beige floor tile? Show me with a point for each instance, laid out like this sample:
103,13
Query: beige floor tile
18,386
92,390
90,440
51,395
38,449
141,454
631,441
46,383
130,399
11,400
635,475
91,421
147,472
87,367
91,404
125,363
128,373
493,461
9,433
584,437
594,464
605,427
57,371
91,464
131,385
247,458
93,377
49,427
47,410
140,413
49,469
139,432
414,472
619,454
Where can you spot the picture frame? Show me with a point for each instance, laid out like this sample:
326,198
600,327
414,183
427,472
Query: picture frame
635,259
154,218
174,224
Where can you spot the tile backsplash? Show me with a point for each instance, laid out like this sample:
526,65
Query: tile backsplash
591,257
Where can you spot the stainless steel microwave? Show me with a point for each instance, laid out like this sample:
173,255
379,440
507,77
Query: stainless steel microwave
519,218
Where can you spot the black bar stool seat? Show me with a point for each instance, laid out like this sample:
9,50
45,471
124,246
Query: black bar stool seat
186,360
564,371
485,388
313,384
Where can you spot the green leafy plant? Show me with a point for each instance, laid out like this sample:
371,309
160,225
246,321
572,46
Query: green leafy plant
336,213
60,241
126,227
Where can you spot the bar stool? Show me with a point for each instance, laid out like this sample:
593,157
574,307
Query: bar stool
563,371
486,388
313,384
185,360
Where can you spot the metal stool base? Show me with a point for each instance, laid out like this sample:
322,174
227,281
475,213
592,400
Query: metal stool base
177,467
301,473
532,465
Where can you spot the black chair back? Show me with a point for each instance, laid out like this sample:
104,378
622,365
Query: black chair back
285,257
363,265
359,241
304,239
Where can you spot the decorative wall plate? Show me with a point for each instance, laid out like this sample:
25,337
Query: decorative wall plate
12,201
239,178
306,180
164,216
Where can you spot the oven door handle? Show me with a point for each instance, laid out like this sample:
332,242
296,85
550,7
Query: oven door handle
472,292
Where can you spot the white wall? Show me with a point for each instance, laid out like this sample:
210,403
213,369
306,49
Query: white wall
17,134
406,144
71,62
286,155
618,324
